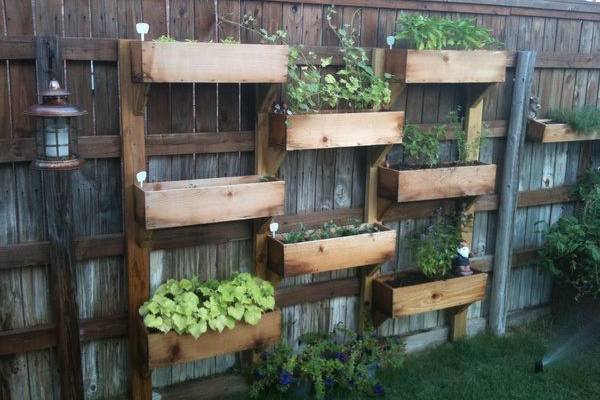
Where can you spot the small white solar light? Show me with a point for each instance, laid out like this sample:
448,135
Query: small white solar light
390,40
141,177
273,228
142,28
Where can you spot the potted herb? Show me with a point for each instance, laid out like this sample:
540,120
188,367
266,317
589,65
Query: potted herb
582,123
444,50
572,247
329,248
188,319
422,176
441,280
327,108
333,363
168,60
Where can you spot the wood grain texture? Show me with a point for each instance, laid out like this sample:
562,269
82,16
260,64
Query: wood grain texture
205,201
546,131
137,259
332,130
168,349
430,296
208,62
446,66
331,254
436,183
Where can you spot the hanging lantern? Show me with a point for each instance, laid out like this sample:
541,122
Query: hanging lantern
56,141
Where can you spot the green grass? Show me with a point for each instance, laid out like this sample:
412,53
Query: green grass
584,119
492,368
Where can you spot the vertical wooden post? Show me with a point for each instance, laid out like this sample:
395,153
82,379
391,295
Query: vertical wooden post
137,259
473,126
59,219
375,156
509,191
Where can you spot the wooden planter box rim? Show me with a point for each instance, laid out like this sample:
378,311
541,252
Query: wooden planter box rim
172,348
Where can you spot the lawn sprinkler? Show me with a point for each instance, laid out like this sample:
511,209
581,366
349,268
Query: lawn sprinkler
539,366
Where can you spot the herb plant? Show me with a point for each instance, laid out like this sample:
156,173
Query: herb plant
334,362
327,231
437,33
572,247
584,119
435,248
189,306
312,87
422,148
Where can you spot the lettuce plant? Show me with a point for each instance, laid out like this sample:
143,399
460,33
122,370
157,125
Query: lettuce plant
189,306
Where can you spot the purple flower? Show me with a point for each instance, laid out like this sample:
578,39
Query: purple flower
329,382
258,375
264,356
343,357
285,378
378,390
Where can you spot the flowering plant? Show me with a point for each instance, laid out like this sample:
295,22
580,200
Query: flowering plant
337,361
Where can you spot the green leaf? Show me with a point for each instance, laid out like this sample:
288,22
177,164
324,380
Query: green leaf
237,311
252,315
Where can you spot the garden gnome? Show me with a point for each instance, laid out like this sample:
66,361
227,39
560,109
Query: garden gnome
461,264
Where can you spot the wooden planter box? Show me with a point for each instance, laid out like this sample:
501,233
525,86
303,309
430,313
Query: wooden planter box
429,296
436,183
546,131
208,62
330,254
330,130
161,350
446,66
206,201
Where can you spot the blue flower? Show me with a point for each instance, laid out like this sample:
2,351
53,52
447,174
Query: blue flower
329,382
258,374
378,390
285,378
343,357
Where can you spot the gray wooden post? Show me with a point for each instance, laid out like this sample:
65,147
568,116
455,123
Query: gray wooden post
59,219
509,189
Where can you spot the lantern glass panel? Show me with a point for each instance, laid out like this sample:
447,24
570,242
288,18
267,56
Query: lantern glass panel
56,137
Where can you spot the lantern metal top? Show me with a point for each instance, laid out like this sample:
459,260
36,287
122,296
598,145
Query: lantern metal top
54,104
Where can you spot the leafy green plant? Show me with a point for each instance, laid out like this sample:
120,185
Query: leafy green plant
165,39
572,247
230,40
327,231
312,87
338,361
584,119
422,147
435,248
437,33
189,306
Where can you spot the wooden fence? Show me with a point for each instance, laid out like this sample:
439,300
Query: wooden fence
206,130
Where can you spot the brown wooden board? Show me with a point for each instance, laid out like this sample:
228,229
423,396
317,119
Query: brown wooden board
436,183
430,296
206,201
208,62
161,350
333,130
317,256
446,66
546,131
